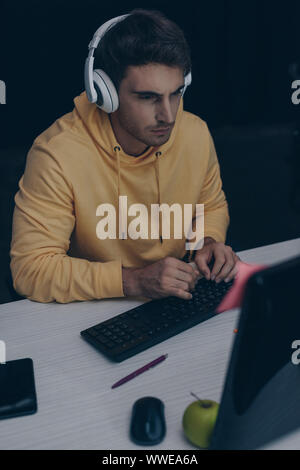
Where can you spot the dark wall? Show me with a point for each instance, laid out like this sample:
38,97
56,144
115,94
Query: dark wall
241,55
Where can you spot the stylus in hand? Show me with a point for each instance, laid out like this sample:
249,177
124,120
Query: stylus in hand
140,371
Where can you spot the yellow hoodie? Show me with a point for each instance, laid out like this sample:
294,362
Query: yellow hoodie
76,165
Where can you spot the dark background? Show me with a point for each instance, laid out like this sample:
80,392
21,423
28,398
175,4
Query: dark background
245,56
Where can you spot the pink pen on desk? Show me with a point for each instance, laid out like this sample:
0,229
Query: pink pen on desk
140,371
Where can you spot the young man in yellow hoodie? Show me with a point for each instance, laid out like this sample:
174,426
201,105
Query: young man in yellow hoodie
147,152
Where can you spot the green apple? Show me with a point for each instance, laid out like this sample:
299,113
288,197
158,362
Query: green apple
199,420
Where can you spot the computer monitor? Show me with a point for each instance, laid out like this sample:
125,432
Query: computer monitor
261,394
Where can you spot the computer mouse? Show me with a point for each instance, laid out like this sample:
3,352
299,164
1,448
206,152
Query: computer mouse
148,425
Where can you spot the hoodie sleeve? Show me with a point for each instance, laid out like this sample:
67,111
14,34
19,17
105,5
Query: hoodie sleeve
216,214
43,222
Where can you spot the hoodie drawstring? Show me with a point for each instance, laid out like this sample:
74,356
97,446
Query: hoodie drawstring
117,150
158,154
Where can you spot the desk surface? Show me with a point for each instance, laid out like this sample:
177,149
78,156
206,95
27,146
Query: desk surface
77,408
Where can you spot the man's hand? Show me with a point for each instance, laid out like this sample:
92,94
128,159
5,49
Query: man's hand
224,267
168,276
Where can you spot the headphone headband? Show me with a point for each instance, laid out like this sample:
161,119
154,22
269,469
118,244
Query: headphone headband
98,35
89,63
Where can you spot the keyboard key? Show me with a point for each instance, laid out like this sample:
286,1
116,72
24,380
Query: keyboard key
93,332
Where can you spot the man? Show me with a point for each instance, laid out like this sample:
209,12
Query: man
148,150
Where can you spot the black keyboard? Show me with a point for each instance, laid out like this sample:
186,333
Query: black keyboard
155,321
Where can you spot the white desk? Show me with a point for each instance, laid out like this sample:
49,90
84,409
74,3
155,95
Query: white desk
77,408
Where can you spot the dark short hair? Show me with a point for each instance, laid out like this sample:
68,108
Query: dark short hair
145,36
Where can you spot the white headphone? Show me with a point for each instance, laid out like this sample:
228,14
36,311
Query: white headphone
98,86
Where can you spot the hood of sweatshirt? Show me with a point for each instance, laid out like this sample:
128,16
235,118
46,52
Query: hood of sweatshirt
98,126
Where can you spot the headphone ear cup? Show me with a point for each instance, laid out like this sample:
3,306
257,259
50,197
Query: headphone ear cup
187,81
107,96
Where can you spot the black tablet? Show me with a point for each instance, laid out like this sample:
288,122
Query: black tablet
17,388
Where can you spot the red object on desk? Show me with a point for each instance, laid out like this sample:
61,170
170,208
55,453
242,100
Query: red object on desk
234,296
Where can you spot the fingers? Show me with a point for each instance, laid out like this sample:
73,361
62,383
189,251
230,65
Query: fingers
182,294
190,279
186,267
225,268
180,289
177,278
234,271
202,263
232,274
186,272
